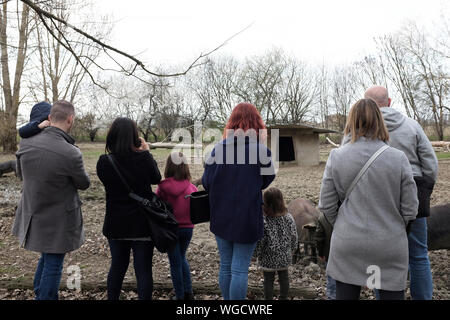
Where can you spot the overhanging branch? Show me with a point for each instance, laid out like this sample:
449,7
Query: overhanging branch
137,63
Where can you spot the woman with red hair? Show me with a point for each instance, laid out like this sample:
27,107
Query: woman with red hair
236,172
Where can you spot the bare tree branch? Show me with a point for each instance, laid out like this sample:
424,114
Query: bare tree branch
67,47
138,63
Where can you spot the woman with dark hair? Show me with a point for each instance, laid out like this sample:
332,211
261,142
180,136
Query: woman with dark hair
125,226
369,244
236,172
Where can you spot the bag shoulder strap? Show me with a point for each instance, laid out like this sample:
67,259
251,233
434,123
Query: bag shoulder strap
113,163
131,193
364,169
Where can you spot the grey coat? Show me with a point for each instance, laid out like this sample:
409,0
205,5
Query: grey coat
48,217
369,226
408,136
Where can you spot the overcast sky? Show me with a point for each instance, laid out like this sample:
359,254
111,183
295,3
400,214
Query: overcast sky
177,31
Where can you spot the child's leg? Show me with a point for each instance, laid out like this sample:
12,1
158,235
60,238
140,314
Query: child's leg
269,278
176,270
283,279
185,236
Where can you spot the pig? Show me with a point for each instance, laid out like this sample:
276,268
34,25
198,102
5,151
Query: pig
438,227
8,166
305,216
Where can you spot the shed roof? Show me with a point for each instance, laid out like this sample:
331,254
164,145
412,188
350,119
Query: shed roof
301,127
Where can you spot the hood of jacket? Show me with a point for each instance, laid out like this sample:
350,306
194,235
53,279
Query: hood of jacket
392,118
40,112
174,187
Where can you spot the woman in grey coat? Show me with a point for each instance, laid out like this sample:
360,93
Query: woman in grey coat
369,245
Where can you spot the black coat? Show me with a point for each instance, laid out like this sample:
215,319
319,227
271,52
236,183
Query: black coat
123,218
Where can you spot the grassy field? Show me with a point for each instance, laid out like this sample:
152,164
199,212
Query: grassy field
443,155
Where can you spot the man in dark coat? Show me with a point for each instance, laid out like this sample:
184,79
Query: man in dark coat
48,218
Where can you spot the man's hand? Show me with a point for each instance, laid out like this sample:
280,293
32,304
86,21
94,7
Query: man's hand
144,145
44,124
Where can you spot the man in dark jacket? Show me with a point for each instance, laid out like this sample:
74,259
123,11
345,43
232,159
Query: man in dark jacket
48,218
408,136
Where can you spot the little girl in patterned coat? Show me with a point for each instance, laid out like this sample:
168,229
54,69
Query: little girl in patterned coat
274,251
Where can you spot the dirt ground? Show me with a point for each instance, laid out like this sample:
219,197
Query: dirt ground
17,265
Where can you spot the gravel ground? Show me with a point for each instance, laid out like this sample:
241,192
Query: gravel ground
17,265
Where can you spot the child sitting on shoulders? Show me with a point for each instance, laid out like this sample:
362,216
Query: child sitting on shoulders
38,120
274,251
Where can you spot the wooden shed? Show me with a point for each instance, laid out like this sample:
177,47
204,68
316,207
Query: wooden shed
297,144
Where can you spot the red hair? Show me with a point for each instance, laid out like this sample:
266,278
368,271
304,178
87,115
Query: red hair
245,116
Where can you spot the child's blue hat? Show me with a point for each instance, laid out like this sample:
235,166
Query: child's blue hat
40,112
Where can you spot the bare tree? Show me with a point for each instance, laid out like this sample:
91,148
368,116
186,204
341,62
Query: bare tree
135,69
153,97
399,70
11,91
344,92
85,127
299,92
214,87
323,93
61,74
415,63
434,79
261,83
370,71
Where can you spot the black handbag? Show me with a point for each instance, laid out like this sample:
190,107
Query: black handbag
161,221
199,207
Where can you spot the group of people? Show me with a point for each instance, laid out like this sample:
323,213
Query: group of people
379,223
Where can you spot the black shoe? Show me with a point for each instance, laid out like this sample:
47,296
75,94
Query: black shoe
189,296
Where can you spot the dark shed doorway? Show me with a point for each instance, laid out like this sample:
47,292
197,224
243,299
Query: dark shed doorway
287,152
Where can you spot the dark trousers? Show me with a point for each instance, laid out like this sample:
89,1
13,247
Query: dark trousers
345,291
283,279
142,256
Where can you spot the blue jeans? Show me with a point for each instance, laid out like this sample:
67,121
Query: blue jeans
421,280
234,263
120,259
331,288
179,266
48,276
